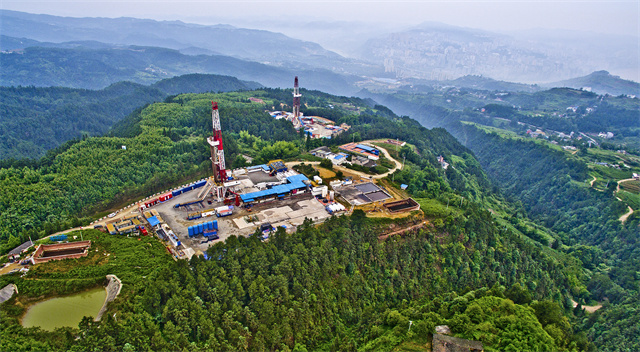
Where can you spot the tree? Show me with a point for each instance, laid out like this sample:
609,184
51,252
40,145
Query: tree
327,164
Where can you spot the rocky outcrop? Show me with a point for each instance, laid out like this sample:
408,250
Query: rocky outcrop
113,290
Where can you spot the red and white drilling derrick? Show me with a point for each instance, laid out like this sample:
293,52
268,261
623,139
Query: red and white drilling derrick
217,152
296,99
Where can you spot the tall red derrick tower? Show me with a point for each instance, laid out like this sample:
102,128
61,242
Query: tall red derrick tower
296,99
217,151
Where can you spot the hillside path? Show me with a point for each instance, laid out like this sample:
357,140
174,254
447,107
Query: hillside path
624,216
592,181
619,182
406,229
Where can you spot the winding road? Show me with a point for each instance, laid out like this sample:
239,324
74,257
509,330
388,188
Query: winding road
624,216
359,173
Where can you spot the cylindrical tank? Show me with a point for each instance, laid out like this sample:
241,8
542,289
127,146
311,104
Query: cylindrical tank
200,228
215,224
190,231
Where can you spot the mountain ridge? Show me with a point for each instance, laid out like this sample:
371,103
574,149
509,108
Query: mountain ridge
600,82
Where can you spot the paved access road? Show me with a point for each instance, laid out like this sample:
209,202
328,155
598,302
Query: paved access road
398,165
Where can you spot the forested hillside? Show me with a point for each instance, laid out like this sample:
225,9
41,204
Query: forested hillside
559,110
39,119
586,220
165,142
96,68
332,287
572,193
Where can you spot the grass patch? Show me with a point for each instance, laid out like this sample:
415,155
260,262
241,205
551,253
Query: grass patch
129,258
325,173
308,157
611,173
632,200
631,186
433,208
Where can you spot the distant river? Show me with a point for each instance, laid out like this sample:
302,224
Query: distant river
65,311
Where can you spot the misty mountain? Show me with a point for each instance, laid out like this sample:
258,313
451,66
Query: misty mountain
256,45
438,51
618,54
83,67
486,83
600,82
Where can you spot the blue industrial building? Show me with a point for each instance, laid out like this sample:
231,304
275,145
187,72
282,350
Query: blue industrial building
296,183
368,149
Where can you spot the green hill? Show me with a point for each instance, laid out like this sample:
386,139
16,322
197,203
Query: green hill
335,286
39,119
601,82
93,67
553,185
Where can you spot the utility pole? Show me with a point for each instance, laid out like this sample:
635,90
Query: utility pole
403,160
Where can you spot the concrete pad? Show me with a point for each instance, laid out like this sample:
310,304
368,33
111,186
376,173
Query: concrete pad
242,223
367,187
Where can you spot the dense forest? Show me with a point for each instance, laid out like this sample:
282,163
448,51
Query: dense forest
39,119
586,220
551,187
490,275
332,287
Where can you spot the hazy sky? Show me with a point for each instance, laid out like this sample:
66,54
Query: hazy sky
618,17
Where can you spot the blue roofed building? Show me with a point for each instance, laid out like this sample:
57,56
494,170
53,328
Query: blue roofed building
295,184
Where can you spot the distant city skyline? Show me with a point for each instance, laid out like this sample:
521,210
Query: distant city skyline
612,17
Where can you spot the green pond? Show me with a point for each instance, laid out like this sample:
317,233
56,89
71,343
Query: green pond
65,311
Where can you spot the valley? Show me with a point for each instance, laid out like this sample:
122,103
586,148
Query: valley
442,188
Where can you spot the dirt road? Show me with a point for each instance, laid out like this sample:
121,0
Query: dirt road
624,216
589,309
619,182
361,174
420,225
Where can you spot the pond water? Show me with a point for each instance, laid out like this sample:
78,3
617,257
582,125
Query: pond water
65,311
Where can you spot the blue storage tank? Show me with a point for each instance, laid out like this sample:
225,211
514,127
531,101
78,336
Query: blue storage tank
58,238
190,231
210,225
200,228
215,224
